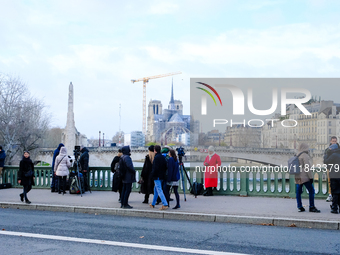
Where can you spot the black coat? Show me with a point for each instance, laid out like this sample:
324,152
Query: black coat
159,167
333,157
25,165
84,159
130,172
113,163
117,183
148,184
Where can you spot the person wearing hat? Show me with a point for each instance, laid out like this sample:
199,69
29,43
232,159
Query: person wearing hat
332,157
211,162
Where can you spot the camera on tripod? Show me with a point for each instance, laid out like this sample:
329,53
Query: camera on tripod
180,151
76,152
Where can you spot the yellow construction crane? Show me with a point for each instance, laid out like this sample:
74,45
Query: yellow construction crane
145,81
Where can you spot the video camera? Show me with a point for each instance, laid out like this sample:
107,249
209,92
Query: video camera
180,151
76,152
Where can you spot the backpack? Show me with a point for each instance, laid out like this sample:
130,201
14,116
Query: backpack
196,189
74,187
294,164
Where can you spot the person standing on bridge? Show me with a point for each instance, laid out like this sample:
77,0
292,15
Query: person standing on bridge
129,176
332,157
2,161
147,184
305,178
211,162
84,166
117,184
26,176
54,183
158,175
61,168
334,140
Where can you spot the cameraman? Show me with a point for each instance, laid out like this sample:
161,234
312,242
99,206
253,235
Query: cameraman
84,166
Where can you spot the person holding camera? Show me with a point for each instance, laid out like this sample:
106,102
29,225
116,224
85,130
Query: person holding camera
26,176
61,168
84,166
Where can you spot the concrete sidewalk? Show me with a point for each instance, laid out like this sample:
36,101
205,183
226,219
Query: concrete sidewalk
235,209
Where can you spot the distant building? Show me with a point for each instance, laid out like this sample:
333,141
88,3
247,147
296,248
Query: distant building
165,126
315,129
134,139
243,136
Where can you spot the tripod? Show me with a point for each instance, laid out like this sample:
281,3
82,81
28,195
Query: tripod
182,168
76,164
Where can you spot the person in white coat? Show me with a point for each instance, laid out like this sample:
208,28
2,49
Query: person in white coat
61,168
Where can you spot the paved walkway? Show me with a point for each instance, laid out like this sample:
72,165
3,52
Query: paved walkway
242,208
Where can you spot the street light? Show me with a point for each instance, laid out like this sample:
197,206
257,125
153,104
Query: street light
103,140
276,142
99,139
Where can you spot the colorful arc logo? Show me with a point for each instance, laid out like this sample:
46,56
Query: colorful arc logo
208,92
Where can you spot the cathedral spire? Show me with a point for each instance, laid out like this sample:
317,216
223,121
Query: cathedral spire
172,101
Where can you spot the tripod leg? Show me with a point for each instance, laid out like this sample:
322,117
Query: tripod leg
185,171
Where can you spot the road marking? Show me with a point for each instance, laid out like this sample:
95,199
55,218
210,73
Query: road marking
122,244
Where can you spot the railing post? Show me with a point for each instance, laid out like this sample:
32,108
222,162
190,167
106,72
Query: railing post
244,184
292,192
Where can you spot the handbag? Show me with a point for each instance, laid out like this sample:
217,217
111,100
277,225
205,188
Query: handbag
29,173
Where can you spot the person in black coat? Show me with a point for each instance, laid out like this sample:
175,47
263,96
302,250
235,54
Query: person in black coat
84,166
147,184
2,161
158,175
129,176
332,157
117,184
26,176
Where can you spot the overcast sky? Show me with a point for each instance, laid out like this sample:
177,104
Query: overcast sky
101,45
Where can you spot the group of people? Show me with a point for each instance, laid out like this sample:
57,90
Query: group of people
305,177
61,165
160,173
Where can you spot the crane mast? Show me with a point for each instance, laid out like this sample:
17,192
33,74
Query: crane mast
145,81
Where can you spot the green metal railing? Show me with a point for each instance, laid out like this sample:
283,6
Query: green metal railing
237,182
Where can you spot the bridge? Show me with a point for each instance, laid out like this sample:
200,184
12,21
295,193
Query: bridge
102,156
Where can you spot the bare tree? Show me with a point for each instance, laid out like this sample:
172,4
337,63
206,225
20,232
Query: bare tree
115,138
52,137
23,121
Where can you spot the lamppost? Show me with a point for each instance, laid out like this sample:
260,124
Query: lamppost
103,140
276,142
99,139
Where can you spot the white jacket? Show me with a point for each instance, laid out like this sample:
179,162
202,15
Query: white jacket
62,163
